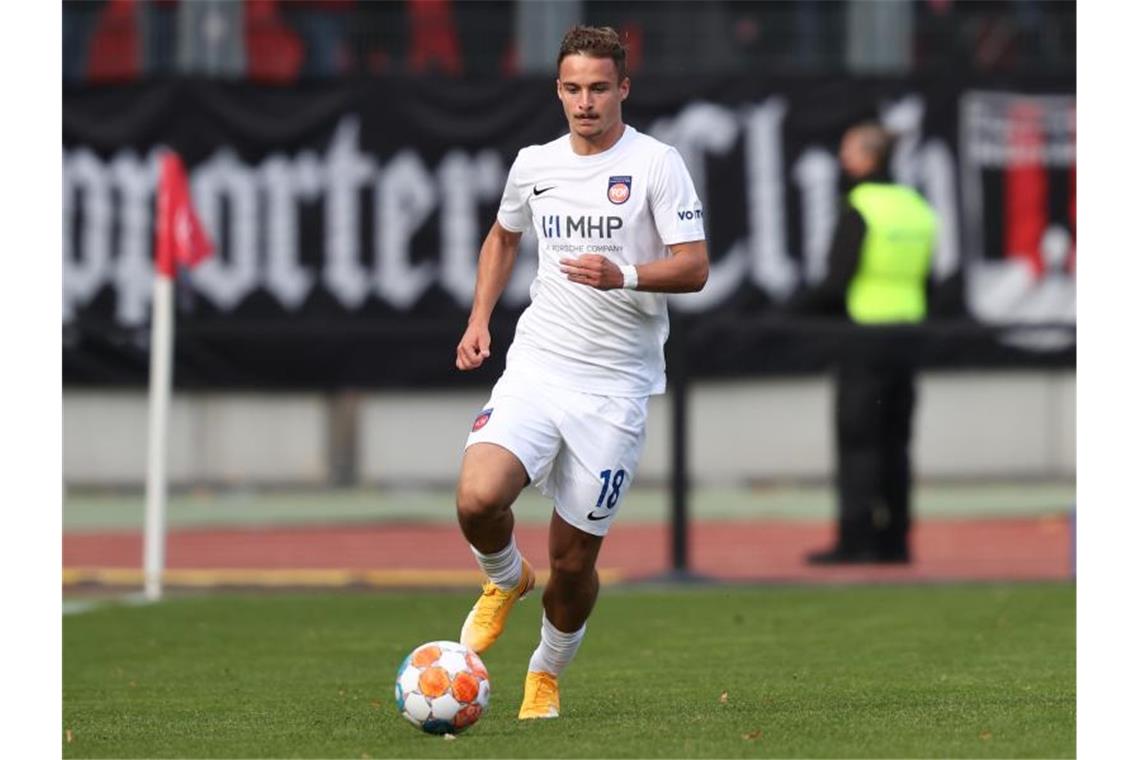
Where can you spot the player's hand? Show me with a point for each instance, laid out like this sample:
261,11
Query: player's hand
474,347
594,270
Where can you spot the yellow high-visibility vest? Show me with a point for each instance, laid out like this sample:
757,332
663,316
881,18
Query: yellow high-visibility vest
889,282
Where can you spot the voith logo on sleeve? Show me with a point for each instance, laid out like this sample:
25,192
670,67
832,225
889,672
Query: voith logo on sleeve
619,188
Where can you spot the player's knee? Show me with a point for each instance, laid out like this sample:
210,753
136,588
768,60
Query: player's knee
572,567
474,500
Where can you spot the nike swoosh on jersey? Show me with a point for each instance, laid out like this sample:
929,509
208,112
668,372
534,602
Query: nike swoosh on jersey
543,190
592,516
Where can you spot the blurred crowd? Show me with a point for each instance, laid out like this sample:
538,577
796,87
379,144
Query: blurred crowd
274,41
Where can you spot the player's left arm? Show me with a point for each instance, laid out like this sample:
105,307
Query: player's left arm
685,270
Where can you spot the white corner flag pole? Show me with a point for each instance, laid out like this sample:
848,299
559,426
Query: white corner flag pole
161,343
179,239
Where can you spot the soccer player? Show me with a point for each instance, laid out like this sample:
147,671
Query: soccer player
619,225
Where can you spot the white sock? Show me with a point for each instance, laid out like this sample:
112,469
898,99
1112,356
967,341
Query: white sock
504,567
555,649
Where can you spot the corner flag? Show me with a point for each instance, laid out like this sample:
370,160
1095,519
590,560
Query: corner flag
179,239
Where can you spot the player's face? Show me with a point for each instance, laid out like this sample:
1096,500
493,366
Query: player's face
591,95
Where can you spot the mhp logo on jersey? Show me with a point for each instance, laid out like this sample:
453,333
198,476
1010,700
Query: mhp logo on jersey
481,420
619,189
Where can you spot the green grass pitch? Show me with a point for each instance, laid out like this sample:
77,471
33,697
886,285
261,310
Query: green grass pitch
884,671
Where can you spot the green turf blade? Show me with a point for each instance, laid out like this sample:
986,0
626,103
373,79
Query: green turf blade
891,671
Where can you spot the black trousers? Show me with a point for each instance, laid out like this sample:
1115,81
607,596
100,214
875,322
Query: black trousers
875,401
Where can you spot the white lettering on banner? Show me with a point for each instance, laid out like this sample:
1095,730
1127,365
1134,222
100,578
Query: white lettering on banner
904,120
68,230
135,180
284,184
224,181
698,130
816,173
928,167
939,187
772,267
463,184
252,212
405,197
346,171
85,271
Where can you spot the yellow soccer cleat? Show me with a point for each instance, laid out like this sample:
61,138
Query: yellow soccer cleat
485,622
540,696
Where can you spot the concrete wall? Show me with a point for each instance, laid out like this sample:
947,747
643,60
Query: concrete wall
215,438
969,425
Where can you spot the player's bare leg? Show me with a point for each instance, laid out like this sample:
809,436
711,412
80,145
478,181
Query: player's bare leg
567,602
490,479
573,587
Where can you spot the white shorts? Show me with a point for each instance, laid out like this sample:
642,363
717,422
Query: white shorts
579,449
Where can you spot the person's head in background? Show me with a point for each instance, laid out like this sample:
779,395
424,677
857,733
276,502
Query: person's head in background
865,150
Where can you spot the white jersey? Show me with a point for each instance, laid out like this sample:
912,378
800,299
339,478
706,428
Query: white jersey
626,203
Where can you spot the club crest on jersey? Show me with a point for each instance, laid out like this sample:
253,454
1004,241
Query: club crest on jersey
481,420
618,192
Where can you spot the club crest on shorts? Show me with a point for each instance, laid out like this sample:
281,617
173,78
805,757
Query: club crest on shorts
618,192
481,420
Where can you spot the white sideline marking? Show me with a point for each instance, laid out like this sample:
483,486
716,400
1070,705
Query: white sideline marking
79,606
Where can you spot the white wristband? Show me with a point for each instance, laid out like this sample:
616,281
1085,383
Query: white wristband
629,276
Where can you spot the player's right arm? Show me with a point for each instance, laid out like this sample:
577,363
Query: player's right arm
496,261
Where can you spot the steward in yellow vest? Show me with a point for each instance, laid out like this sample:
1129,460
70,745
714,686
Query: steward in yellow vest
878,270
889,283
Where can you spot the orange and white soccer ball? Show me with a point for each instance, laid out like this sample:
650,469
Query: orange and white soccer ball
442,687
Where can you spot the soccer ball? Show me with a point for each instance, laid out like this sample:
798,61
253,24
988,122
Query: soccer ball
442,687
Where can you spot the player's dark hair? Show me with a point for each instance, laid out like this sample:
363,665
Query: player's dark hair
876,140
596,42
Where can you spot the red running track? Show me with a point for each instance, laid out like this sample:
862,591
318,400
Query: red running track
1037,548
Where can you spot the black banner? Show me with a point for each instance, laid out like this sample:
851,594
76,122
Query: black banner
348,219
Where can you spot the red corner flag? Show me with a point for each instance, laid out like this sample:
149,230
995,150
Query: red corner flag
178,234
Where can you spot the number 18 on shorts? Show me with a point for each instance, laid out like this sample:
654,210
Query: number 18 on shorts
580,449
